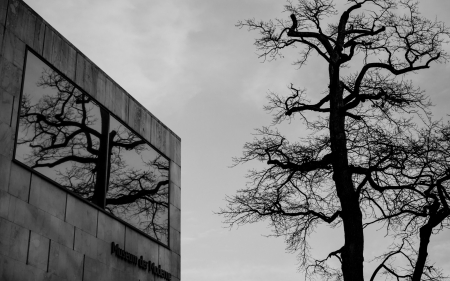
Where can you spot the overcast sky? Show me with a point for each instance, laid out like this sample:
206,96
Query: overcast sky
191,67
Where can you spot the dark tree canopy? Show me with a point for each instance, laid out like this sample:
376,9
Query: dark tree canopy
373,154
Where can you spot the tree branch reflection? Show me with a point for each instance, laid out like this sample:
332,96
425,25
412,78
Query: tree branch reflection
66,136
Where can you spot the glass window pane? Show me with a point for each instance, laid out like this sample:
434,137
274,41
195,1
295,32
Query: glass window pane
138,189
59,129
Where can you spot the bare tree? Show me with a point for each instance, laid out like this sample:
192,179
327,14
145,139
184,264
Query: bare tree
366,159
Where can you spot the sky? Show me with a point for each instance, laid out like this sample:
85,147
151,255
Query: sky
188,64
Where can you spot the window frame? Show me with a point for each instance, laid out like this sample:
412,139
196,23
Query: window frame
110,114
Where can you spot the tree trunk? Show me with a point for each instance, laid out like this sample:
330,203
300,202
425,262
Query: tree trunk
101,181
352,252
425,233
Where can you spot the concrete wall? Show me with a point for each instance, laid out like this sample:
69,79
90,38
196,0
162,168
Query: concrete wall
45,232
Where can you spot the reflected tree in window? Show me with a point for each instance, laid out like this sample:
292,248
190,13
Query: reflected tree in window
65,135
60,132
138,189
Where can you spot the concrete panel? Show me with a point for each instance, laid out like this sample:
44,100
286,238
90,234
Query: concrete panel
49,276
108,99
58,230
135,112
176,265
5,169
131,241
18,246
165,140
101,93
104,255
28,27
2,33
5,234
7,268
145,127
175,195
149,276
110,230
164,258
41,222
175,241
95,270
10,77
21,21
57,53
174,151
120,104
79,72
90,76
139,245
158,135
142,275
177,158
150,250
86,75
81,215
70,60
38,251
39,32
62,55
169,148
3,9
172,147
124,276
6,140
175,218
47,197
13,49
48,43
65,262
175,173
24,272
119,275
26,215
19,182
85,243
13,241
6,106
103,252
155,133
4,204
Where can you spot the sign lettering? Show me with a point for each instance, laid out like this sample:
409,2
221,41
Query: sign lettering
141,263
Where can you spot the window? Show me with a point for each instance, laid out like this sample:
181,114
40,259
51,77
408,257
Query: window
66,136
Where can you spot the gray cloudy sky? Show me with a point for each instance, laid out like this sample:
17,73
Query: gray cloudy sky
199,74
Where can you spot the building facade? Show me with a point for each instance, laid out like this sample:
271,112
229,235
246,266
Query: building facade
90,181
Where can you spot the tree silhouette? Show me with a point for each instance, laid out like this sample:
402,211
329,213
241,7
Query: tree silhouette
66,136
366,159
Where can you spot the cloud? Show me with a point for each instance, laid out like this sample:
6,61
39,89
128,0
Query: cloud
235,270
202,235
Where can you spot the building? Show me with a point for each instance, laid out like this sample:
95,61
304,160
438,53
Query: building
89,179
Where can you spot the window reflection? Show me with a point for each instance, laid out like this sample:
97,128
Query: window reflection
59,129
64,135
138,189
